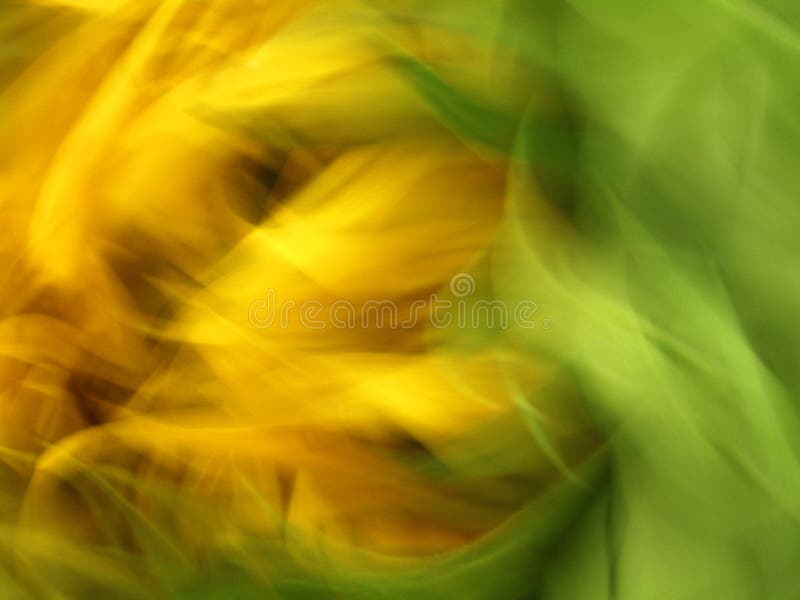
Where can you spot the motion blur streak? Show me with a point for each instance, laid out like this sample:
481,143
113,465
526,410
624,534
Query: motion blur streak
626,167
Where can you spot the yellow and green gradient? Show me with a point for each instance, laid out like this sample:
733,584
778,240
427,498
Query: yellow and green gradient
625,170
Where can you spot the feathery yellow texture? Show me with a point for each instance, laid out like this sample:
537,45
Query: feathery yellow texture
164,165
